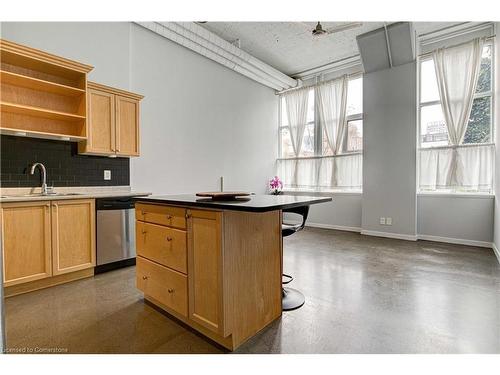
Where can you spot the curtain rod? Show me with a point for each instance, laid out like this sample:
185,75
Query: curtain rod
352,75
486,39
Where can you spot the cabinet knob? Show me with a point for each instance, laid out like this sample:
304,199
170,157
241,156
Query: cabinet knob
143,212
169,238
169,217
170,290
144,277
144,231
188,216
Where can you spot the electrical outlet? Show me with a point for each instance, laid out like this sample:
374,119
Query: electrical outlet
382,221
388,221
107,174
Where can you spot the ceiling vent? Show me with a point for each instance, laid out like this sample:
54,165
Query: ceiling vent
389,46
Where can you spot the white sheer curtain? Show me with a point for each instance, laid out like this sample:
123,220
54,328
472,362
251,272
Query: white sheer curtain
473,167
332,100
316,173
321,172
457,72
296,102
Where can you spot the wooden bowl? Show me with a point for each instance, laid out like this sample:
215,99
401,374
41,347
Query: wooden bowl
223,195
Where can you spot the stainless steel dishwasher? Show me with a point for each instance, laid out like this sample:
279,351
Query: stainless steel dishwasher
115,233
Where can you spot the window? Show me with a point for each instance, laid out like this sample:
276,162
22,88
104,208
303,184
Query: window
316,146
433,130
468,166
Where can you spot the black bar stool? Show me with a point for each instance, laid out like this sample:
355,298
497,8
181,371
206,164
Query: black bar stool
291,298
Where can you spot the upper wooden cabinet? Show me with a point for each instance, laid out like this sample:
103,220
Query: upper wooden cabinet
113,122
42,95
26,242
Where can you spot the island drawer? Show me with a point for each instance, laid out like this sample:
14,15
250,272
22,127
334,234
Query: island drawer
165,285
163,245
162,215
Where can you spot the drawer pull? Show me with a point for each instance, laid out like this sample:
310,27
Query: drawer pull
170,290
169,217
144,231
143,213
169,238
144,277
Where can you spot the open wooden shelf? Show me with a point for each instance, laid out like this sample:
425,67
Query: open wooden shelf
42,95
38,112
38,134
28,82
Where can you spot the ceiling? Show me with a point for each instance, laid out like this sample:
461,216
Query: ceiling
290,47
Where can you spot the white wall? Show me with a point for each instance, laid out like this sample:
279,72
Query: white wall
104,45
496,240
389,150
469,219
199,120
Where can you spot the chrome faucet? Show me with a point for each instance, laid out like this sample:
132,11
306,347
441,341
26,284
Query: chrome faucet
43,173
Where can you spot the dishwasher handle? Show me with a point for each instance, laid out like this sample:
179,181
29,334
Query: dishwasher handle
118,203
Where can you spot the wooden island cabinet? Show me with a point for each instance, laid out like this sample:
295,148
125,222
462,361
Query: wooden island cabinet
215,266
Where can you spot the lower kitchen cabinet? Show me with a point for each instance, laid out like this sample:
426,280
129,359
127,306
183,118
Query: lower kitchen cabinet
231,287
44,241
205,267
73,234
26,242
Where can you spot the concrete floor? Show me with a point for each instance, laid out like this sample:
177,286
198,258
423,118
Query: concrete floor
363,295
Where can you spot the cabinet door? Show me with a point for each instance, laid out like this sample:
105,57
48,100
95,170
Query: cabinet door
73,235
25,242
101,117
204,269
127,126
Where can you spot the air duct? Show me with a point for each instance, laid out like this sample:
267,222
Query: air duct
388,46
206,43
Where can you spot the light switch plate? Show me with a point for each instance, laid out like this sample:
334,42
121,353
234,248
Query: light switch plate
382,220
107,174
388,221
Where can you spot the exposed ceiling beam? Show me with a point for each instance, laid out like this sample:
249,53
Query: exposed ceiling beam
206,43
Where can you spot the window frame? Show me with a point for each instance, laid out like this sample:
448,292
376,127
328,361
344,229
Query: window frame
486,94
420,105
318,129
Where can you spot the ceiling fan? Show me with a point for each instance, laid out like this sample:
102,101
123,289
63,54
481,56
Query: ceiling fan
320,31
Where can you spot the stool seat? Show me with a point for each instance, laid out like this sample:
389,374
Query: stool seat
289,229
291,298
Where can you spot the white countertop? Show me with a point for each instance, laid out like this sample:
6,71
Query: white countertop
84,192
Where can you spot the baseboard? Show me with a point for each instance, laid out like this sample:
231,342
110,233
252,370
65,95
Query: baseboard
495,250
398,236
457,241
409,237
336,227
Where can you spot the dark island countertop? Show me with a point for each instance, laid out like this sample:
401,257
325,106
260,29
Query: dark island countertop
253,203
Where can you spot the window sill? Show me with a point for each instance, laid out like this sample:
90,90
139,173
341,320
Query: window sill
327,193
456,195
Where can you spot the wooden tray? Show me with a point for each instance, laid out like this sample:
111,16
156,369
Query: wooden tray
223,195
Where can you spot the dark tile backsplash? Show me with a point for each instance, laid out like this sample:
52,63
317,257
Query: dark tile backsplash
64,166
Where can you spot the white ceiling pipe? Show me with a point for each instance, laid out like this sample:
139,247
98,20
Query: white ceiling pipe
180,39
219,50
225,45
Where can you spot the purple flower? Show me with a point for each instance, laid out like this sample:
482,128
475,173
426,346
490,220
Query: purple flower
275,183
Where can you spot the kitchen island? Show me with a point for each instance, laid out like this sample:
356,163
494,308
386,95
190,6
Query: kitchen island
214,265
